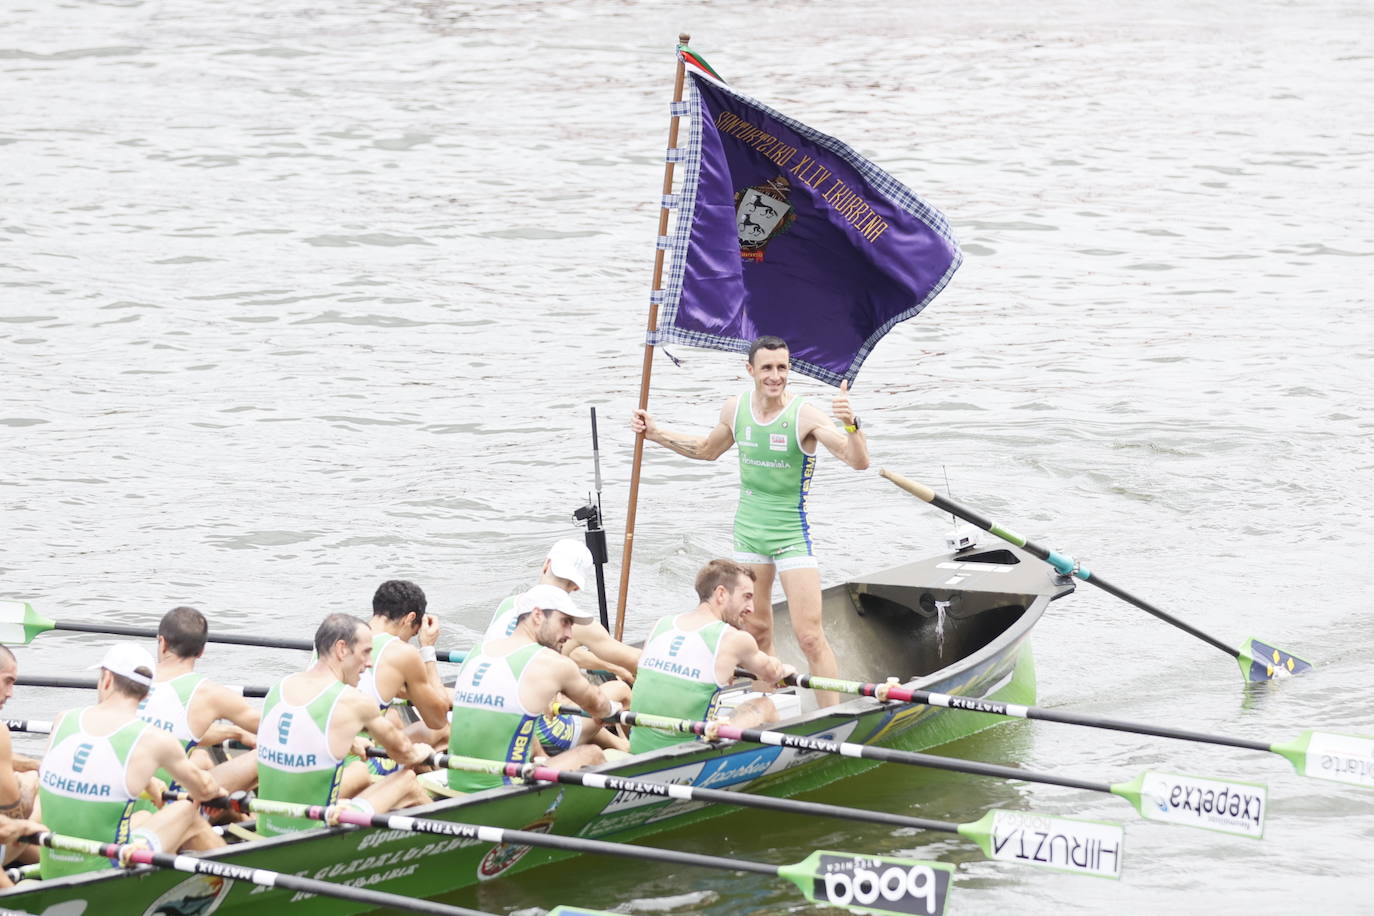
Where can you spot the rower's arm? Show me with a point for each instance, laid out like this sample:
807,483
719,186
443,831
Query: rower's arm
168,754
747,655
575,686
383,731
232,706
851,448
9,785
605,646
425,689
705,448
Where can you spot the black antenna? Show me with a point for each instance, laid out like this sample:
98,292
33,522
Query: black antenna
596,534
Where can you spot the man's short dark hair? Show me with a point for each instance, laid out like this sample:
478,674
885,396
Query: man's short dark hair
334,628
718,573
395,598
766,342
7,659
130,687
185,630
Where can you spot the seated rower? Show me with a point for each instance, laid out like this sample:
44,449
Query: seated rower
568,566
18,774
310,721
401,670
690,657
506,684
100,758
190,706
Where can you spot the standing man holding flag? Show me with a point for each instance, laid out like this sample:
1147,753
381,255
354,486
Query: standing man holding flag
777,434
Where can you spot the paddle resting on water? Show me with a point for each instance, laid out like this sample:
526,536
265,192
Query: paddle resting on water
1259,661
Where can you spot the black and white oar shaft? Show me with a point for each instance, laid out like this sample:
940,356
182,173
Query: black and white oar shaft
717,730
1013,710
1258,661
1148,793
878,884
134,855
78,683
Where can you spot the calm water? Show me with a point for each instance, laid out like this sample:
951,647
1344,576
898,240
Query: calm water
297,296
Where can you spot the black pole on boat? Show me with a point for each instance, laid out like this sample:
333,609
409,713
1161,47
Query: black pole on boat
596,533
1259,661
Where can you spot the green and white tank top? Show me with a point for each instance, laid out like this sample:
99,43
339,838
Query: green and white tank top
489,720
84,787
167,706
367,683
773,468
294,760
677,678
503,622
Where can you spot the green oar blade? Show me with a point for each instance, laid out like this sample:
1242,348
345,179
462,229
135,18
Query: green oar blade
1056,843
872,884
1262,662
20,623
1338,758
1196,801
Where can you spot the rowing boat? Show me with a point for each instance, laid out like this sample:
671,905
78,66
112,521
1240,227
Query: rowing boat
957,623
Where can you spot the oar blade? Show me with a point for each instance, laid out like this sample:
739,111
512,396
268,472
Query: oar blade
579,911
1220,805
872,884
1260,661
20,623
1347,759
1064,844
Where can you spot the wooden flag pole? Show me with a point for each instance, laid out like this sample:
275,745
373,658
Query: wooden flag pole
659,256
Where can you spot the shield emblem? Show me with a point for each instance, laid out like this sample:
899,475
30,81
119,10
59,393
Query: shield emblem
762,213
758,215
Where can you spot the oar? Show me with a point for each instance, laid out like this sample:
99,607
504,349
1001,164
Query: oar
20,623
1212,804
31,726
989,832
874,884
133,855
1259,661
1321,755
89,684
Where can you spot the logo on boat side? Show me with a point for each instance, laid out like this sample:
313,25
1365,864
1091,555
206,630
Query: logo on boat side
504,855
198,895
736,768
762,213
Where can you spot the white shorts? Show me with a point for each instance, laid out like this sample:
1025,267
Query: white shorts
786,564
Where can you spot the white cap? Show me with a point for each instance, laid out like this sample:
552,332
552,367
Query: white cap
549,598
571,560
123,657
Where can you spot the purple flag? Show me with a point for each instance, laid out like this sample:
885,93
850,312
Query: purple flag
784,230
